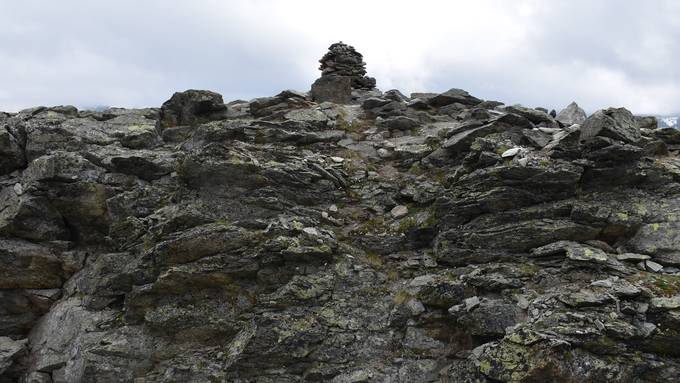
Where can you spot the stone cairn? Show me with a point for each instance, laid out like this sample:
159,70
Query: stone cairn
342,70
343,60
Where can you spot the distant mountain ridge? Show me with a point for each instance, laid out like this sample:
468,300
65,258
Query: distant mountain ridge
668,122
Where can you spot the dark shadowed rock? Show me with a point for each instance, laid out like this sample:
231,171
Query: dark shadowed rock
11,153
646,122
452,96
10,350
191,107
27,265
337,89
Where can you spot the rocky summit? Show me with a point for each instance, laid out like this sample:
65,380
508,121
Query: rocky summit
341,235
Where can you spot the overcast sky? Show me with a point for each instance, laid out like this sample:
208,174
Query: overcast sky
136,53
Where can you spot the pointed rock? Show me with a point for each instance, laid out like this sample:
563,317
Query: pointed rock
616,123
572,114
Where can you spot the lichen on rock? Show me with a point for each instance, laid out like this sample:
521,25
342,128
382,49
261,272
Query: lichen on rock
340,235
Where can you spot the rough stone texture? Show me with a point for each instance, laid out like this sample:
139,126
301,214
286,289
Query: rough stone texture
572,114
287,240
343,60
337,89
615,123
191,107
9,352
452,96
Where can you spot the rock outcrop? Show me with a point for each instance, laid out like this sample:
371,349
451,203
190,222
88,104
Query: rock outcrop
386,238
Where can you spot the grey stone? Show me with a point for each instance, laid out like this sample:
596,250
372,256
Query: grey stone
191,107
336,89
653,266
572,114
671,303
452,96
471,303
615,123
399,211
510,152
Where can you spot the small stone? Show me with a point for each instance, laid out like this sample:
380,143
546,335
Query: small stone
18,189
399,211
671,303
633,257
333,209
647,328
337,160
478,351
653,266
549,130
642,307
311,231
383,153
454,310
510,152
586,254
415,306
471,303
602,283
522,302
523,161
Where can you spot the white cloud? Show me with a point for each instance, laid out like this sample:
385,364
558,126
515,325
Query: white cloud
548,53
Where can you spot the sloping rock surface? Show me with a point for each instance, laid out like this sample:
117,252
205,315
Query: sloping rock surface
439,238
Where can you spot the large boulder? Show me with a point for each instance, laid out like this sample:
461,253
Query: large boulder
615,123
337,89
191,107
454,96
572,114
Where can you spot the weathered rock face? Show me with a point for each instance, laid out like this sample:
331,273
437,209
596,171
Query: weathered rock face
431,238
191,107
